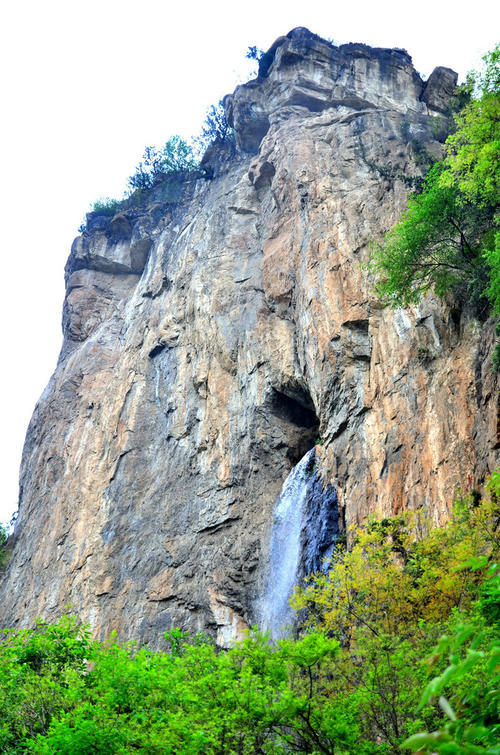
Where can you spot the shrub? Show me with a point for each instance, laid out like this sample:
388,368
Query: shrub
388,599
264,59
103,206
106,206
176,156
252,698
351,684
495,359
393,578
468,689
215,127
4,533
254,53
42,672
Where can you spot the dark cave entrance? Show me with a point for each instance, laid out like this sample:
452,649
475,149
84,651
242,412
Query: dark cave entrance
296,413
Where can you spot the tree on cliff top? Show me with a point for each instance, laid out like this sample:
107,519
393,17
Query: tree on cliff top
176,156
215,127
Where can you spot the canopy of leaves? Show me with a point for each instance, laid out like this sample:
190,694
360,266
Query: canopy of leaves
401,647
438,244
254,53
176,156
468,689
392,578
106,206
448,238
389,598
215,127
472,161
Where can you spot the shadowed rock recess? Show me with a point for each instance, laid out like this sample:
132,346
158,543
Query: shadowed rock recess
214,332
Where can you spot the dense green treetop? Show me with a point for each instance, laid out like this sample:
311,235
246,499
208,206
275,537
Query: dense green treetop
472,162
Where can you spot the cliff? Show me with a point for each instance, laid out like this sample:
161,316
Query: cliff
215,332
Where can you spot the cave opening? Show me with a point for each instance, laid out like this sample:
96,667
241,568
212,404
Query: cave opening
295,409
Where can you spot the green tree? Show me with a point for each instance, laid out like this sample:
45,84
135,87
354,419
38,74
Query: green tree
448,239
468,689
472,161
438,244
42,674
4,533
408,608
387,600
254,53
106,206
176,156
215,127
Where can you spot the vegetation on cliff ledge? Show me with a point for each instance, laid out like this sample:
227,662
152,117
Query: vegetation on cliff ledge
177,157
399,651
4,532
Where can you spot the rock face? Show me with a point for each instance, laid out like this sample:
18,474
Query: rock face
212,334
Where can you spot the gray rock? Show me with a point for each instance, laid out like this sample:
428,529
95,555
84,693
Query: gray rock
439,89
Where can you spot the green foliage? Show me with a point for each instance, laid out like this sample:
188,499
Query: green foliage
400,650
468,689
472,161
63,694
41,676
106,206
103,206
215,127
438,244
264,59
495,359
4,533
492,256
391,579
389,598
448,240
176,156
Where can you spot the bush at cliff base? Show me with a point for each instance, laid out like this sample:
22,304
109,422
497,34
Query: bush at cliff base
398,651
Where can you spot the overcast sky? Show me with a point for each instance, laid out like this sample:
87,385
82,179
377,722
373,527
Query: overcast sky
86,85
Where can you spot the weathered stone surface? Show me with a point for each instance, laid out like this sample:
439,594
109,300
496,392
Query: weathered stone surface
303,70
439,89
197,369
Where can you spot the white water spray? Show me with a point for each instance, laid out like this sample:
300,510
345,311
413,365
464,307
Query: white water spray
276,616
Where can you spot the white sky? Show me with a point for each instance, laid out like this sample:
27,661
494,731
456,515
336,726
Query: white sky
86,85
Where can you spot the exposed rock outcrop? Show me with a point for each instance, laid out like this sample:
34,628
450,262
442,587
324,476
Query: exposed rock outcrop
212,334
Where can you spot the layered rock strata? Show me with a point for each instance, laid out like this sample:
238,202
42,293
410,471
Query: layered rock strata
214,332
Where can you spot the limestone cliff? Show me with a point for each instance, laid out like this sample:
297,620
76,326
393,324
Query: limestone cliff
213,333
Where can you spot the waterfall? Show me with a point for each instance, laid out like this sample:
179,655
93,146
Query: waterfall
305,527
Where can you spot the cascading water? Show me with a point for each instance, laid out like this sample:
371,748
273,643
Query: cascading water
305,528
